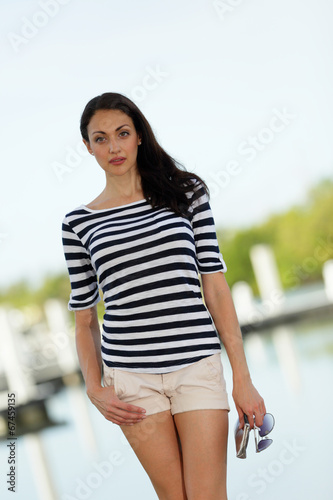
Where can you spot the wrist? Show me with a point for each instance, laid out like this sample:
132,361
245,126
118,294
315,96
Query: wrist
241,377
92,387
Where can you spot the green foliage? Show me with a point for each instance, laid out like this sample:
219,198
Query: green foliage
301,238
21,294
17,295
57,286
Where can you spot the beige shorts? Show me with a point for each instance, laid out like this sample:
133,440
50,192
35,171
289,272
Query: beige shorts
199,386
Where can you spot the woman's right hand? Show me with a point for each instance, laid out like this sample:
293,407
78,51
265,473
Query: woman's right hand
110,406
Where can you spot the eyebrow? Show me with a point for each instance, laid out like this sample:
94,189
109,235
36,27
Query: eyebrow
101,131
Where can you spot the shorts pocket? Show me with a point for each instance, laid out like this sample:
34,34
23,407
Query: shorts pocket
118,385
214,368
110,378
108,375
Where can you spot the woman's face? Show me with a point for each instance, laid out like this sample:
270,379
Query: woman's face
112,134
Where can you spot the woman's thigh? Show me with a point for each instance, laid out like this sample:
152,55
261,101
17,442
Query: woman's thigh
155,442
204,437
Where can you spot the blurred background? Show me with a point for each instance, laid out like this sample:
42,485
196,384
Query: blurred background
238,92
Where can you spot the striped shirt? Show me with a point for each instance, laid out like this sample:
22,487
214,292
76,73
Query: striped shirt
147,262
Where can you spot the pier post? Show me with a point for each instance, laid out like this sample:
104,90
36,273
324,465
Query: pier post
60,334
328,279
18,380
244,303
267,277
57,318
22,384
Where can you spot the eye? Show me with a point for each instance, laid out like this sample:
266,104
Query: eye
124,132
98,139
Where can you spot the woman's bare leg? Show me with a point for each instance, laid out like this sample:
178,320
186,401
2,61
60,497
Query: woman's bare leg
155,442
204,437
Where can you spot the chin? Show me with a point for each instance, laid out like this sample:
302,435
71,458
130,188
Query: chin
117,171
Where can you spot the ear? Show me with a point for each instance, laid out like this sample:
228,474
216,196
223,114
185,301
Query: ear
87,143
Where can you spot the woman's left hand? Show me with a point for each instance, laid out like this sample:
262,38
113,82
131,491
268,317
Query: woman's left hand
248,401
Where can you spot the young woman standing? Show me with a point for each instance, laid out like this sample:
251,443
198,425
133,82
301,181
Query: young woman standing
156,369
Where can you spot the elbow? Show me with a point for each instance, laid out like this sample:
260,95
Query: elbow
86,318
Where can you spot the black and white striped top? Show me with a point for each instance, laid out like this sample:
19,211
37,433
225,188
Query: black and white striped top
146,262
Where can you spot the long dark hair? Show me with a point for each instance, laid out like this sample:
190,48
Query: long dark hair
164,180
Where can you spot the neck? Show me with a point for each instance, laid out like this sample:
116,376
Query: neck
124,188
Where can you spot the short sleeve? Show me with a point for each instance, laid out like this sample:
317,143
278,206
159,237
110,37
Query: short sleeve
209,257
83,279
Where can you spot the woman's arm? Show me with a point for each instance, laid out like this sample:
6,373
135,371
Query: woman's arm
88,345
220,305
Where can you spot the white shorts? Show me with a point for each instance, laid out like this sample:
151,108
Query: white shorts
199,386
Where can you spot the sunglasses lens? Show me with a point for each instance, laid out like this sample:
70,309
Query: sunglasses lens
264,443
267,425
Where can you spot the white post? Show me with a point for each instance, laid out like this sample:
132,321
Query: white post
39,466
18,380
60,336
255,349
57,319
267,277
328,279
22,384
283,341
244,303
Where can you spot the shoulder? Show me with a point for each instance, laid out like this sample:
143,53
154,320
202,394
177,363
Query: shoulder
198,192
74,216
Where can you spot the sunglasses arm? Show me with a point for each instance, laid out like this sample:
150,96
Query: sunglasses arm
256,437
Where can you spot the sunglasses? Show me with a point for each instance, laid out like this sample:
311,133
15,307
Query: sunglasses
242,435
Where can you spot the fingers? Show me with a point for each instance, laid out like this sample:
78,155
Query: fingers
251,420
124,414
260,412
259,416
256,416
121,417
114,410
249,402
127,414
130,408
240,417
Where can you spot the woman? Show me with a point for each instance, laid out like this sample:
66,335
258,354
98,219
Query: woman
143,241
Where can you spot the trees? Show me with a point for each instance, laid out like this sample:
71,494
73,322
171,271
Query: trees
301,238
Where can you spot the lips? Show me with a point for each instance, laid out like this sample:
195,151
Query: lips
118,160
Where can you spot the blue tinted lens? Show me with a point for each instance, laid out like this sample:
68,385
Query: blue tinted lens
267,425
264,443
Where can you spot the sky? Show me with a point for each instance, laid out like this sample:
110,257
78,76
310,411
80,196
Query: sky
238,92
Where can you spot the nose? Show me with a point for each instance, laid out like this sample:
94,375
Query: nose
114,146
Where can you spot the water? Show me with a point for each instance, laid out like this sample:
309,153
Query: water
292,369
